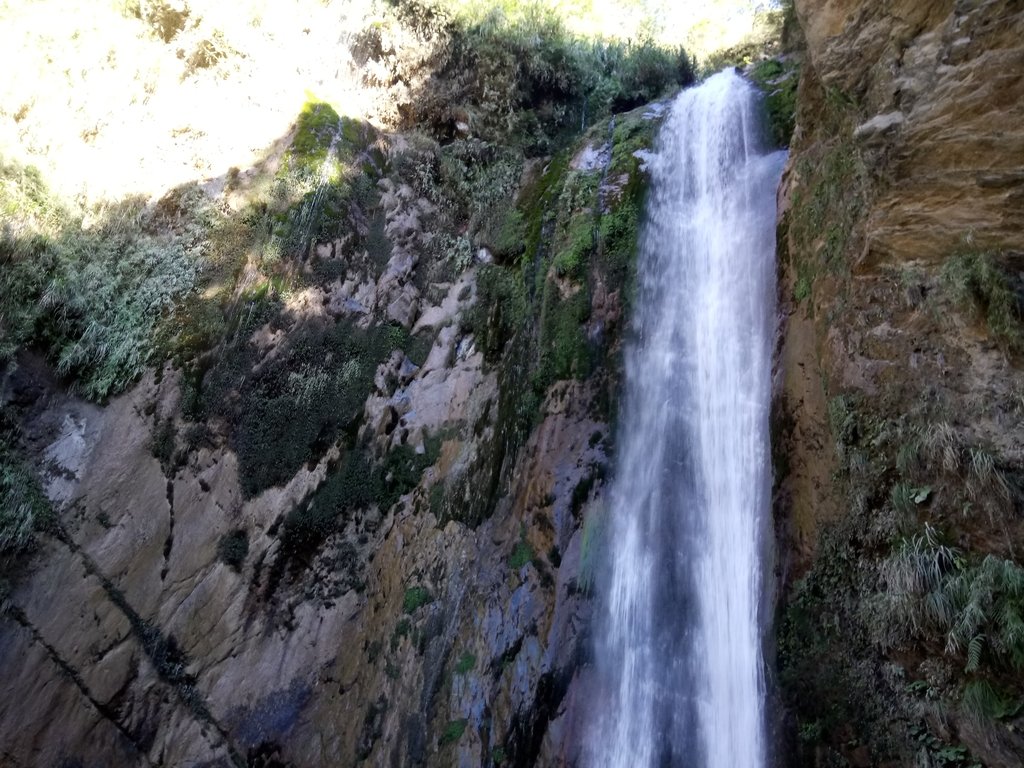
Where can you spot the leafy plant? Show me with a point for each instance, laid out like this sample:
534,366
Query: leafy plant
91,287
977,606
415,598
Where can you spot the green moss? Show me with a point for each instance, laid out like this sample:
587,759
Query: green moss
571,260
500,310
778,80
465,663
802,289
415,598
829,199
521,555
402,629
453,732
565,350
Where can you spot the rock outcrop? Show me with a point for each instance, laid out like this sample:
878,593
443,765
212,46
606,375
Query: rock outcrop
897,427
356,534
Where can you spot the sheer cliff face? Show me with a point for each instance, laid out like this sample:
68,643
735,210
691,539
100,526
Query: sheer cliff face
938,86
898,428
363,528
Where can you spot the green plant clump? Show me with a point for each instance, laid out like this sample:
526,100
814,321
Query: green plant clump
521,555
453,731
978,281
975,606
233,548
465,663
91,287
285,410
357,483
516,74
24,509
415,598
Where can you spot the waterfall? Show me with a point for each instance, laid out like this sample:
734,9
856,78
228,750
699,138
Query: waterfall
678,648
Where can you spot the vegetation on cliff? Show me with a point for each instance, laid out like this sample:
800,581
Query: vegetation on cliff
900,637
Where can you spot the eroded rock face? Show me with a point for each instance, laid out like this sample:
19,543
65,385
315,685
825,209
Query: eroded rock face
940,90
412,592
904,176
144,648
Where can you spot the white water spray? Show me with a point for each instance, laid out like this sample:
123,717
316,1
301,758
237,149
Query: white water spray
679,650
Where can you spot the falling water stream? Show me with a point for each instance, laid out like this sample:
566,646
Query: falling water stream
679,660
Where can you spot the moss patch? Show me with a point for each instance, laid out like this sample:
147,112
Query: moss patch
778,80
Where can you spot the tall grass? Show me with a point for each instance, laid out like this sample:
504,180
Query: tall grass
23,507
979,282
974,607
88,287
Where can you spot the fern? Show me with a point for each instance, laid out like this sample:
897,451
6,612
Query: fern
974,648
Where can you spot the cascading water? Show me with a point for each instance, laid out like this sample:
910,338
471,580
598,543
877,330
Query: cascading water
679,650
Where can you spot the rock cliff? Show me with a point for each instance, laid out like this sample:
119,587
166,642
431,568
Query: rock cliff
353,517
898,439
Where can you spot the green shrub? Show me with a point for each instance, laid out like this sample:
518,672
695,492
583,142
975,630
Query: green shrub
515,73
356,483
24,509
976,606
92,291
453,731
465,663
521,555
233,548
415,598
286,411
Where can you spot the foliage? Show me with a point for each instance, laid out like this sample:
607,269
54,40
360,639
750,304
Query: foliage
357,483
499,312
516,73
283,410
829,197
778,80
453,731
415,598
978,281
521,555
24,509
233,548
465,663
975,605
91,287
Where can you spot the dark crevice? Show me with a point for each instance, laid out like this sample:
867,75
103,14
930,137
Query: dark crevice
169,541
107,712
